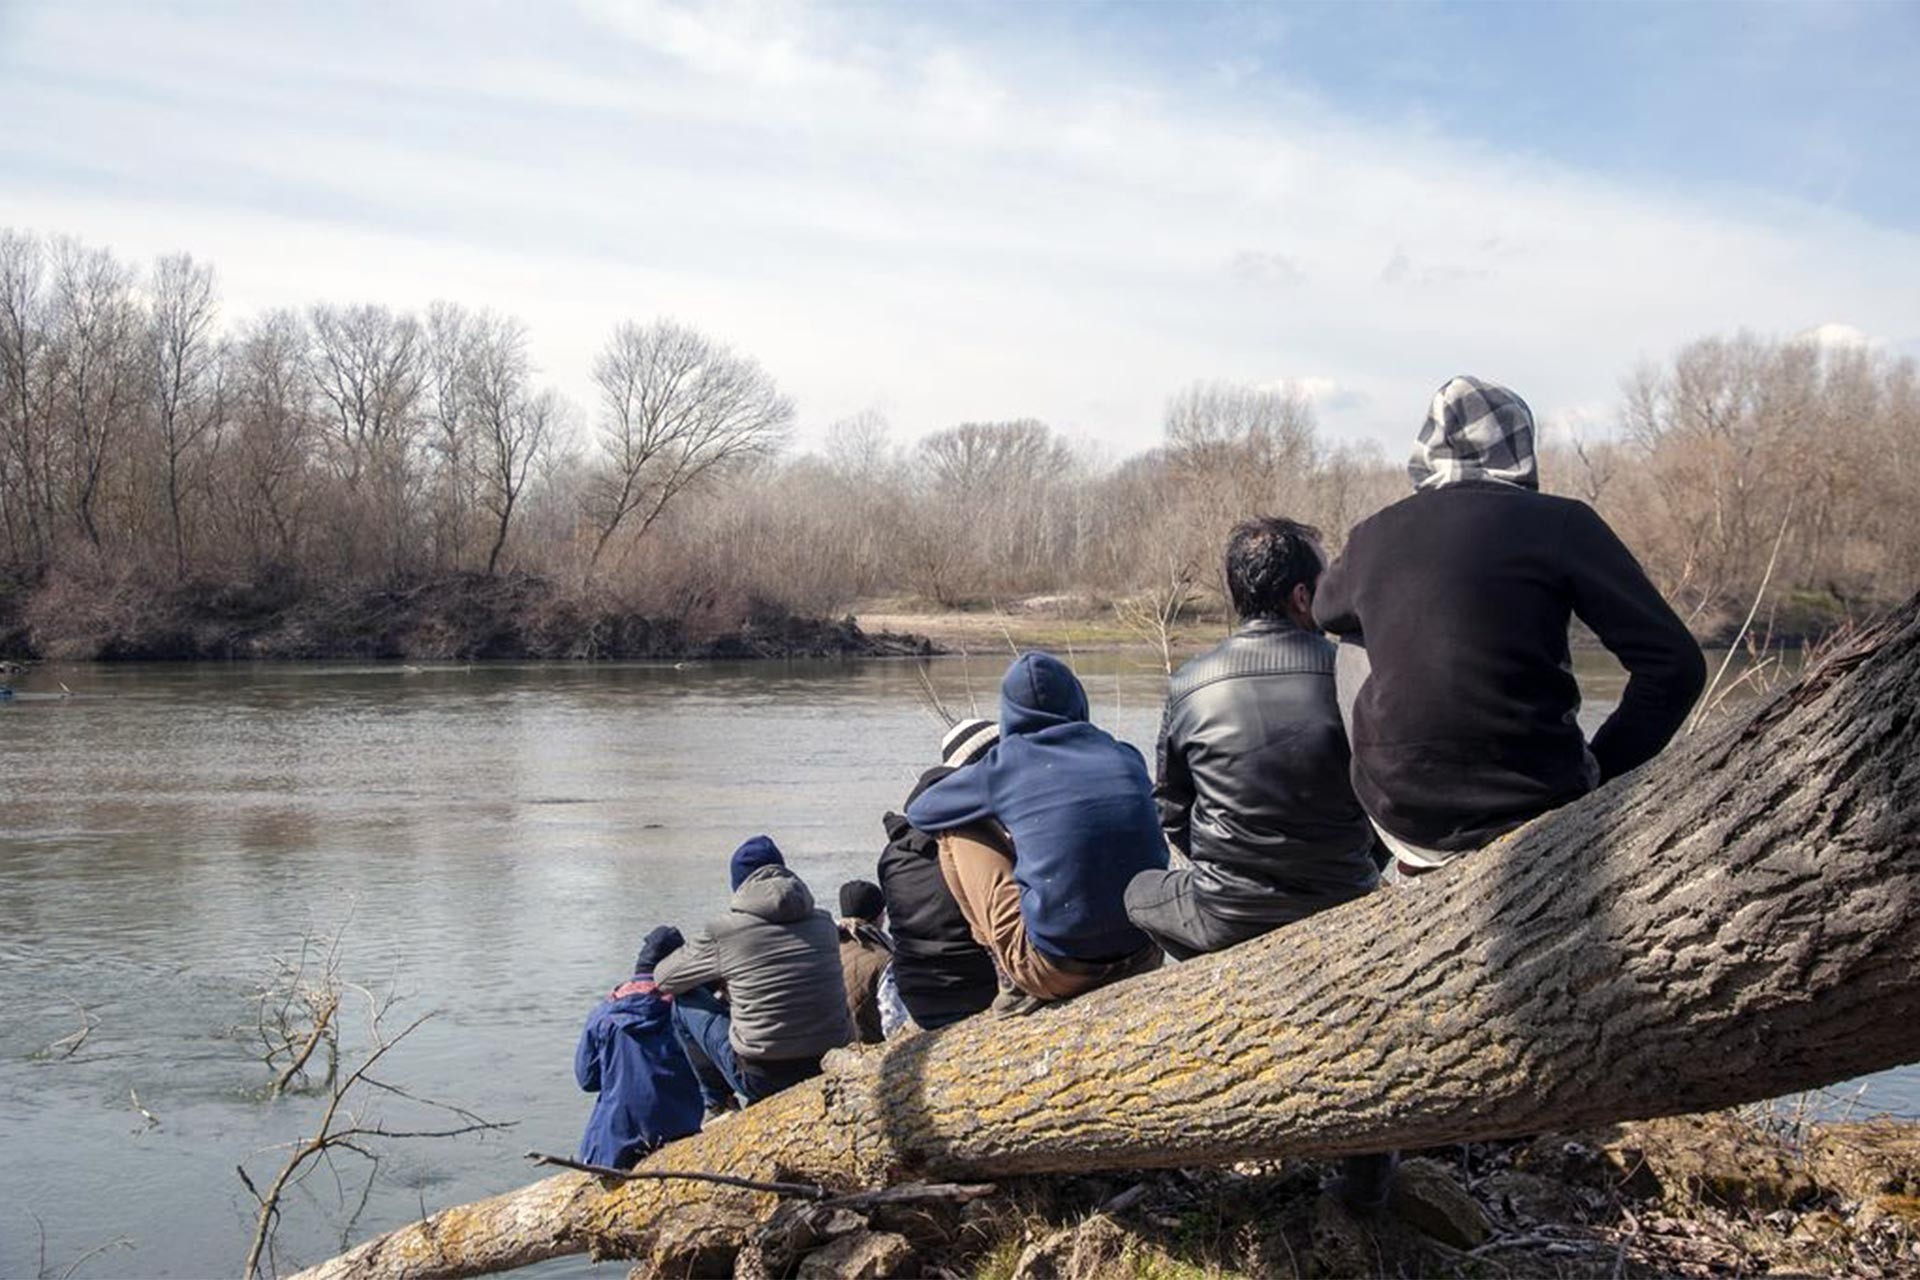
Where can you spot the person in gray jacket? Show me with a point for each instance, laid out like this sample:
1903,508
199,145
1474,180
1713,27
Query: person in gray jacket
1252,769
786,1003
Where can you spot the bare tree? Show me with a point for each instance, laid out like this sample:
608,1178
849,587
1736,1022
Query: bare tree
370,369
1152,614
1234,451
676,408
449,339
26,471
860,448
515,424
98,366
267,477
185,368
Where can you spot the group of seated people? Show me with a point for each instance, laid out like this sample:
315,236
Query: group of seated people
1366,722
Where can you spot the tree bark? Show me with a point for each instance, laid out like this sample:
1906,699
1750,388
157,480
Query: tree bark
1728,923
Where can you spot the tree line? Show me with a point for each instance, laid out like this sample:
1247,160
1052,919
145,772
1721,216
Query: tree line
152,445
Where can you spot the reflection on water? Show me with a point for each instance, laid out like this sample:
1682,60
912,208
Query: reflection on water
501,836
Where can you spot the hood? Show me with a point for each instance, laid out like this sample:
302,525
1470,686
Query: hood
642,1004
1039,692
865,934
1474,430
774,894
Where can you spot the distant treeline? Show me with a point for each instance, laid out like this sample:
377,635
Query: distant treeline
158,457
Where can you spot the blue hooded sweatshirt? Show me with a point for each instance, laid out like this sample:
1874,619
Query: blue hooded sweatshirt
648,1094
1078,803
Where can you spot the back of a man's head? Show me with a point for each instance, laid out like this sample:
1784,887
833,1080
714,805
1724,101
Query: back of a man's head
1267,557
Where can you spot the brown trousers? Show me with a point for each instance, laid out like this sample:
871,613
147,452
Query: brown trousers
977,868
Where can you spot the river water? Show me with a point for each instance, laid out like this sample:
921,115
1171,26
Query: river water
493,839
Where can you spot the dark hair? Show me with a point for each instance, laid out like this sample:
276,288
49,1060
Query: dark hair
1267,557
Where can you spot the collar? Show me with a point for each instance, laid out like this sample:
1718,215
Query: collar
1268,627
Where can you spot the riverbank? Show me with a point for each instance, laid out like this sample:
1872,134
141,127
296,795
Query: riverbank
456,617
1080,623
1733,1193
1057,624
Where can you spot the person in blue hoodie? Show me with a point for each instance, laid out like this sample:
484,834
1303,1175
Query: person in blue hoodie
629,1055
1040,838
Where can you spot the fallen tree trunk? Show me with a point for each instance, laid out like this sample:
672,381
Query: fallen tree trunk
1729,923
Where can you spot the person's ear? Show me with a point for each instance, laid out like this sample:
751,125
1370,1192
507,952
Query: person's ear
1303,598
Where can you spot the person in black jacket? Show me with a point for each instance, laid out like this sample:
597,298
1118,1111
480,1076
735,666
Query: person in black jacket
1252,764
1461,595
942,974
1252,781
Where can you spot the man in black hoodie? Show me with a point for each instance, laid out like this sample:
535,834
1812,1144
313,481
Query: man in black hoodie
1461,596
943,975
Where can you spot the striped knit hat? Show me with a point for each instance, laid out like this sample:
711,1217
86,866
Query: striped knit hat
967,742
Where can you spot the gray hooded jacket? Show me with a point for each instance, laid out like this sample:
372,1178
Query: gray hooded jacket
780,959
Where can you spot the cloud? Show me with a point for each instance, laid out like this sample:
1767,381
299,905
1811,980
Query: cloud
957,225
1400,270
1842,337
1328,395
1272,270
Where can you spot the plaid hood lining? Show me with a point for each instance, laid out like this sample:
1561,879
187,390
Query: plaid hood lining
1475,430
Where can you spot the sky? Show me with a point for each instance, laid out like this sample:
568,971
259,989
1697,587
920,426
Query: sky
958,211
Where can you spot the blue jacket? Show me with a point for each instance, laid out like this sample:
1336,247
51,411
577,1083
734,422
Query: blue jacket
1077,802
628,1055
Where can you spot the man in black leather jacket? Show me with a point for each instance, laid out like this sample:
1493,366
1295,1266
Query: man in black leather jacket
1253,781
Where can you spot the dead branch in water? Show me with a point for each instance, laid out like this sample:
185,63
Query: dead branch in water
295,1010
339,1128
68,1045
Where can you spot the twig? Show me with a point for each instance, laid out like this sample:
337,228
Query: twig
802,1190
153,1121
96,1251
910,1194
1707,700
1005,630
930,698
914,1193
323,1004
966,675
70,1044
1751,674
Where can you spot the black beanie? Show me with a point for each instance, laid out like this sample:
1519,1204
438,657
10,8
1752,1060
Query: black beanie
657,946
861,900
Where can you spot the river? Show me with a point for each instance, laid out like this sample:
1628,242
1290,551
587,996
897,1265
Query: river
495,840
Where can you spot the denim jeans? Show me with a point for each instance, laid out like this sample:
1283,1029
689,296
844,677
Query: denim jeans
701,1022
